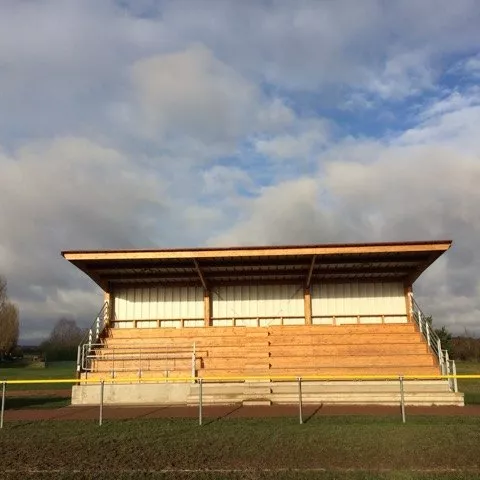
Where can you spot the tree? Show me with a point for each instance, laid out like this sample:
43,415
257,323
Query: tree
445,338
63,341
9,325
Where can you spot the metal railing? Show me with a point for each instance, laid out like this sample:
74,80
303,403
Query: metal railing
92,336
120,359
102,383
447,365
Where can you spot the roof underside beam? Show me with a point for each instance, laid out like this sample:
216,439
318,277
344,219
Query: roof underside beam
200,274
310,272
268,281
107,266
205,276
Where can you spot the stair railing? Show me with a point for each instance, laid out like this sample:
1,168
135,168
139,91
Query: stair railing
447,366
92,336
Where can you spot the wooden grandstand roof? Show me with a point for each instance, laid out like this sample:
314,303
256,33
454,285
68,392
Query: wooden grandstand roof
302,264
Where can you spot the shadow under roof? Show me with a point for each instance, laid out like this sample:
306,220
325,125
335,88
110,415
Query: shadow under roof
293,264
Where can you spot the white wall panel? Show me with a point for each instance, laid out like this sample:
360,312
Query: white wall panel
158,303
252,301
347,300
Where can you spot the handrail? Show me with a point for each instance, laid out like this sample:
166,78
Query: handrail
93,352
245,378
434,344
92,335
94,331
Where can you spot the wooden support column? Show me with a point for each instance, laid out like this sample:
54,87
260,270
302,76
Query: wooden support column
207,307
307,298
408,302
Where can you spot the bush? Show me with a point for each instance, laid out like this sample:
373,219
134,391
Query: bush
465,348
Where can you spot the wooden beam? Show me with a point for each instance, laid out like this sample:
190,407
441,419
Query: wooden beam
307,300
102,283
310,272
208,276
207,308
200,274
106,267
344,249
421,268
287,281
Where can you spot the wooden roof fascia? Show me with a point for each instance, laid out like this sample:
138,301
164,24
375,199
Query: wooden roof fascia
258,252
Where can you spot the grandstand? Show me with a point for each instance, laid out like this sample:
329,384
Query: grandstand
250,320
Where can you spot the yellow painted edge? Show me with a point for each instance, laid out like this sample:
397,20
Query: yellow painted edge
269,378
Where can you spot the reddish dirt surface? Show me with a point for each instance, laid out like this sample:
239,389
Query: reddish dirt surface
227,411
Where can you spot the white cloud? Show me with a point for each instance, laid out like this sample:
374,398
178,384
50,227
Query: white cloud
299,146
369,190
64,194
119,117
190,93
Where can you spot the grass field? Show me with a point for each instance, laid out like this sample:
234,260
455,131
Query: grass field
326,448
350,447
56,370
471,388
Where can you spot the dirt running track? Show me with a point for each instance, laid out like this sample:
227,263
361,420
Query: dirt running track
230,411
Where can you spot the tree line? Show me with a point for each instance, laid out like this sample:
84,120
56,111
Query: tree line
9,323
60,345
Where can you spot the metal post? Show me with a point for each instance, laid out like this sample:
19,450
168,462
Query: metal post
402,398
447,369
4,389
455,382
420,320
193,363
98,329
300,406
100,417
200,402
439,348
79,353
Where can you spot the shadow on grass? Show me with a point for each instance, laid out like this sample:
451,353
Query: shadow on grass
44,401
309,417
225,415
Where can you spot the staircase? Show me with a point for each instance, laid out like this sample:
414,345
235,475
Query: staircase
418,393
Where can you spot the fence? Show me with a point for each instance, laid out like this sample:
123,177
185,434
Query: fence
300,380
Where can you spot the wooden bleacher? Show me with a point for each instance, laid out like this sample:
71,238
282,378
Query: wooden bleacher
381,349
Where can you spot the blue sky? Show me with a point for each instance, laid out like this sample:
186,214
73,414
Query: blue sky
190,123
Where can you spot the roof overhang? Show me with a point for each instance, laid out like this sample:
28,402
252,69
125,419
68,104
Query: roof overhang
299,264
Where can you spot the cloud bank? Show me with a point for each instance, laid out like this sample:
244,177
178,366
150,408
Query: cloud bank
141,124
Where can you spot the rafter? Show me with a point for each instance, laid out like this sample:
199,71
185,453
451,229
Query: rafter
200,274
310,272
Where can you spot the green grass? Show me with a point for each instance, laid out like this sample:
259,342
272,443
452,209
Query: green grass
471,387
54,370
324,447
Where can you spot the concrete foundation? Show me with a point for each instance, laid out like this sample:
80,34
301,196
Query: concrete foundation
132,394
426,393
